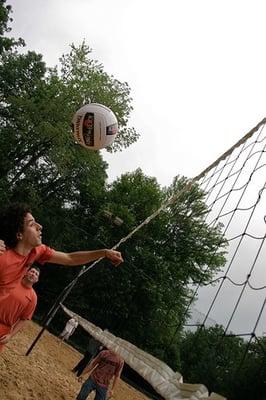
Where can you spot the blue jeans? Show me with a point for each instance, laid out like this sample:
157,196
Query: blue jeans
88,386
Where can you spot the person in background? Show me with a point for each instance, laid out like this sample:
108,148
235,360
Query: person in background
69,329
101,370
18,307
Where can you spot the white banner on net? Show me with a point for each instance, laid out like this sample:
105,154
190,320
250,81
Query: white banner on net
160,376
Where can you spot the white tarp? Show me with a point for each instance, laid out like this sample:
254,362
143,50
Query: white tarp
161,377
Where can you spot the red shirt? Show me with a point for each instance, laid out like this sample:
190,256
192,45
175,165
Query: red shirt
13,266
109,365
19,304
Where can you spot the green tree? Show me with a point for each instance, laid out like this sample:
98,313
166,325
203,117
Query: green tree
40,161
36,112
225,364
6,43
250,374
87,81
145,300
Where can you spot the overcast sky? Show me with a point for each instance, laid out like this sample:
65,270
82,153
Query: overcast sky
196,71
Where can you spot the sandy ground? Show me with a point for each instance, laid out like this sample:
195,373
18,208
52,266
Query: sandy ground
46,373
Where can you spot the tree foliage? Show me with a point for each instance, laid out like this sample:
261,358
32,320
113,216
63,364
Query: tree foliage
226,364
39,155
145,301
87,81
6,43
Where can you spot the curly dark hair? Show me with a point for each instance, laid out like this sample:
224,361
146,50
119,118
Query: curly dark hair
12,222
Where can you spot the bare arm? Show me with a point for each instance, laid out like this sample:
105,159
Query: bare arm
89,368
115,383
83,257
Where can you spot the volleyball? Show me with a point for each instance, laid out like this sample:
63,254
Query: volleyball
94,126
